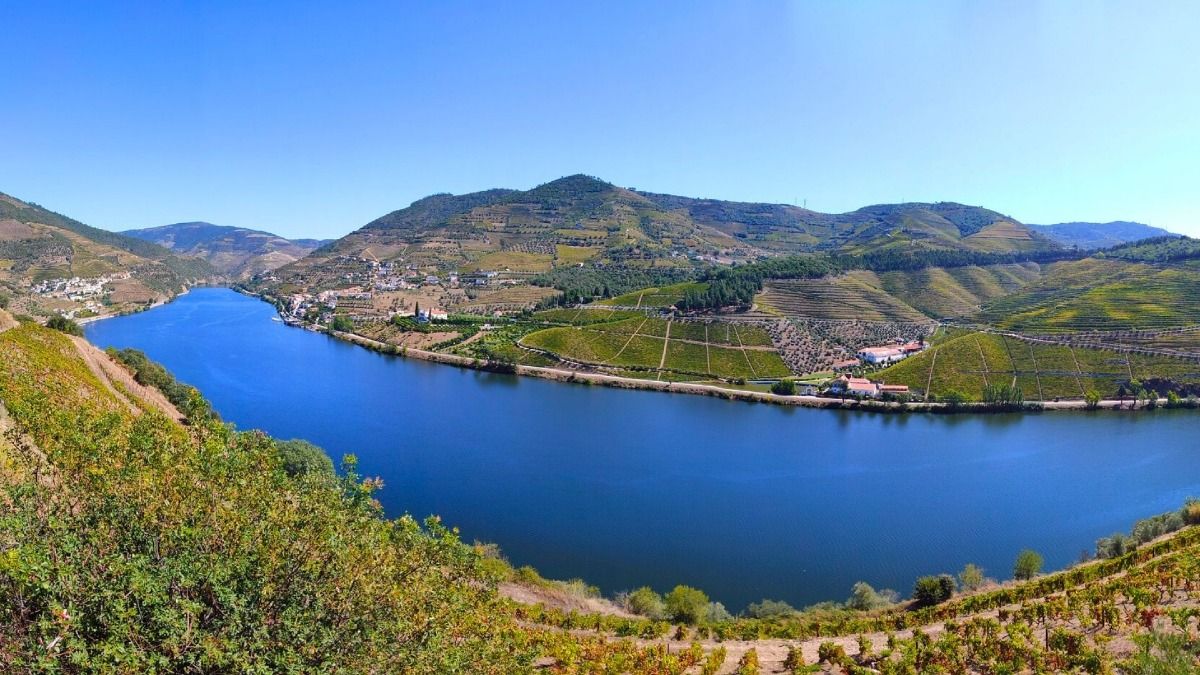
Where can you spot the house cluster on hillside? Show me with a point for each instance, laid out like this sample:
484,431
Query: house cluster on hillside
76,288
890,354
862,387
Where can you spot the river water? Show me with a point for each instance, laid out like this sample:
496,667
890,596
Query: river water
629,488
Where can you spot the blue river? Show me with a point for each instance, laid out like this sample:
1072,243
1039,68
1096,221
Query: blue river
631,488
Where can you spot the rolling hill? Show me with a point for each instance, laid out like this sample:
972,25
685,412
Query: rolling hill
1099,235
233,251
50,264
580,221
783,228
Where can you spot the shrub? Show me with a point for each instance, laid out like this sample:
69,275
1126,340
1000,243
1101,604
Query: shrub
147,373
748,665
971,577
864,598
716,659
65,325
645,602
831,653
794,662
953,399
301,457
686,604
342,324
1092,399
931,590
784,388
1191,512
1028,564
716,613
769,609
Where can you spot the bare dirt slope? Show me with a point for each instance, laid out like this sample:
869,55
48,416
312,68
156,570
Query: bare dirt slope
6,321
120,382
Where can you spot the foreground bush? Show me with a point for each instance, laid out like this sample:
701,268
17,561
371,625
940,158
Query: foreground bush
134,544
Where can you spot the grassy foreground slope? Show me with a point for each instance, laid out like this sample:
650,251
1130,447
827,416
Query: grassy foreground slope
132,543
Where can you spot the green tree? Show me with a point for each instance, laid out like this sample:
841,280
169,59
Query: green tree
953,399
971,577
1028,565
645,602
1092,399
784,388
62,323
342,324
686,604
769,609
865,598
931,590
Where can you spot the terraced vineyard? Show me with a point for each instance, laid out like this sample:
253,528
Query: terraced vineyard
661,348
953,291
664,296
1133,613
967,364
1101,295
850,296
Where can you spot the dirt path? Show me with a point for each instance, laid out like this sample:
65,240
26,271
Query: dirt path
635,334
1037,372
742,347
707,353
929,380
983,360
666,341
1079,371
120,383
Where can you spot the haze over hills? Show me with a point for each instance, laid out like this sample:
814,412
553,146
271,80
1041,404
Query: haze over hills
50,264
1100,235
234,251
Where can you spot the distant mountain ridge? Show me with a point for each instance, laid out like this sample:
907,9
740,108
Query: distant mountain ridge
1100,235
234,251
581,219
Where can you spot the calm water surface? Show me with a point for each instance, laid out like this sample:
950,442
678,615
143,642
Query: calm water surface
625,488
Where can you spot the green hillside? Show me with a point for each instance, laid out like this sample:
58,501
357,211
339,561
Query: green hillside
38,245
583,221
954,291
1101,294
967,364
849,296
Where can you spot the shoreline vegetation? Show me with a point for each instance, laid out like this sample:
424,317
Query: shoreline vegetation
585,378
1137,589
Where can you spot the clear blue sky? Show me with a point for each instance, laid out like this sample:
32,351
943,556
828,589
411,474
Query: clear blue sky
310,119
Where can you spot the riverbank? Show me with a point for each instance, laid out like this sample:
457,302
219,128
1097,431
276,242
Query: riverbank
157,303
578,377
